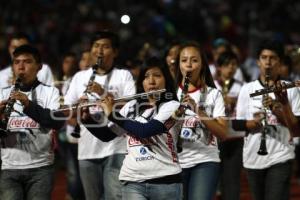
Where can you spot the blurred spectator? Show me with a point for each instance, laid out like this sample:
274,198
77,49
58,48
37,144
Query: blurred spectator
135,67
84,60
286,68
68,145
7,77
221,45
154,21
171,58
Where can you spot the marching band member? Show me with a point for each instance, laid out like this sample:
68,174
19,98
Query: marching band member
269,175
100,162
27,151
151,169
230,150
200,155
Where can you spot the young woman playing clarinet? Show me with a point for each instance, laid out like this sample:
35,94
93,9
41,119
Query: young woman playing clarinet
200,155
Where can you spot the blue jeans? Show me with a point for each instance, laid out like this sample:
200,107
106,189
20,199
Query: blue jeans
272,183
33,184
74,185
149,191
200,182
100,177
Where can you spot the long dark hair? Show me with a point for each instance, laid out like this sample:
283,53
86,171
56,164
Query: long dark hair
170,93
205,74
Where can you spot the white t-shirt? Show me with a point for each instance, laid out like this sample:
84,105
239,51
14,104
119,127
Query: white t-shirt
152,157
199,145
44,75
64,87
279,143
233,92
34,143
120,84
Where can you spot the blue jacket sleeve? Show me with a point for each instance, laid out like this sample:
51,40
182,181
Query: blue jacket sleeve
43,116
102,133
138,129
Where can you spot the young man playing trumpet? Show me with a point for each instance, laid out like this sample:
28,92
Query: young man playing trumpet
269,175
100,161
27,150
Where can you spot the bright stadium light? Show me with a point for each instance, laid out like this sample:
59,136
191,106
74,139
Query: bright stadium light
125,19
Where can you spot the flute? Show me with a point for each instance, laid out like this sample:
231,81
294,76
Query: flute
273,88
120,99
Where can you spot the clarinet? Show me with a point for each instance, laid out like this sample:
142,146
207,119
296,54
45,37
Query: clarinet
180,112
263,147
76,132
9,108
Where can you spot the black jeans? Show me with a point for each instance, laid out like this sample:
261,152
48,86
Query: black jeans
272,183
231,154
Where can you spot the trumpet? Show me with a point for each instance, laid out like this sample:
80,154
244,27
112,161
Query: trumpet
271,89
225,88
120,99
225,91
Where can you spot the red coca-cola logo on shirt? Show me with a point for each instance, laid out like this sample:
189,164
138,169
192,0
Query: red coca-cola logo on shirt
190,122
133,141
27,122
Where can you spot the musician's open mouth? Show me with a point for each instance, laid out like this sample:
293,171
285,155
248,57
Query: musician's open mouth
153,89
